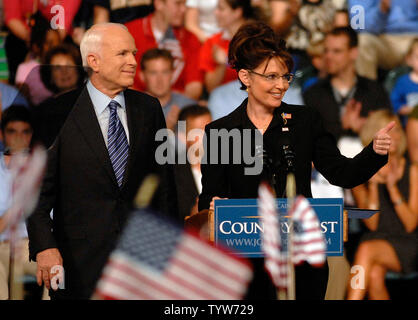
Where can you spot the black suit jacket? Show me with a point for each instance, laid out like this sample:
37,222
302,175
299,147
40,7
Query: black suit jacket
320,96
50,116
89,207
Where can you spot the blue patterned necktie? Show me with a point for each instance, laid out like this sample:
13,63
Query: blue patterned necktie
117,144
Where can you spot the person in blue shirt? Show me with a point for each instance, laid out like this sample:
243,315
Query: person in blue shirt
404,95
157,72
386,29
10,95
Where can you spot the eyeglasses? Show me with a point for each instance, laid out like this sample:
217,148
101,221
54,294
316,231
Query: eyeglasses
272,77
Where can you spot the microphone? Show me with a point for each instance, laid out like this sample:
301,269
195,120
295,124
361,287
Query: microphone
268,169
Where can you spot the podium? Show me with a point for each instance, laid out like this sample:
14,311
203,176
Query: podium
234,219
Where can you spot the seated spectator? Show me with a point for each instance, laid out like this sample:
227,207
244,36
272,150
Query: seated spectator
230,14
16,128
164,29
157,68
200,18
283,14
121,11
188,175
404,95
62,72
389,28
61,69
313,20
344,99
16,18
10,95
225,99
312,74
391,244
28,78
90,12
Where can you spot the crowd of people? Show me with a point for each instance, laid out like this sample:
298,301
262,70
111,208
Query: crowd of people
355,63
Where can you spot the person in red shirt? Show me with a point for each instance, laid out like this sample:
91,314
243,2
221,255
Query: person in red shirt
230,14
17,14
164,29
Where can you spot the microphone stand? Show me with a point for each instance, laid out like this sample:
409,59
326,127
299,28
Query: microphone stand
289,158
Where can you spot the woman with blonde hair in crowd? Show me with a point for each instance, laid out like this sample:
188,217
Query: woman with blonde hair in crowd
392,241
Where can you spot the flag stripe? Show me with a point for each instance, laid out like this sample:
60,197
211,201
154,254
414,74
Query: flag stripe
194,267
149,282
211,255
121,289
197,283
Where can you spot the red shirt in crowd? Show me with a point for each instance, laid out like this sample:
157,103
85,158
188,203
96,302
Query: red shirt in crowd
23,9
208,64
185,52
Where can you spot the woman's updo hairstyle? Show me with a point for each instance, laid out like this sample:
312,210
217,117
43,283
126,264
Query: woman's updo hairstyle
253,43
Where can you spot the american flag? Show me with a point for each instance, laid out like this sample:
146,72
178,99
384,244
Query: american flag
26,171
275,258
156,259
308,243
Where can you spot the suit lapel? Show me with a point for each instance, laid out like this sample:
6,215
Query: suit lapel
86,119
135,126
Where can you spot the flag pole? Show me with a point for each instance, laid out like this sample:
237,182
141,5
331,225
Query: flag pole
27,172
290,193
281,292
15,266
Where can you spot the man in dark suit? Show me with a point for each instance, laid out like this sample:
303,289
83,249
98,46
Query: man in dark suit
188,174
95,167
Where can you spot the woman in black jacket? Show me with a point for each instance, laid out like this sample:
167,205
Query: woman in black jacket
263,66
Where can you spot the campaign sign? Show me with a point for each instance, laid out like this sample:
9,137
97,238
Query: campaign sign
238,226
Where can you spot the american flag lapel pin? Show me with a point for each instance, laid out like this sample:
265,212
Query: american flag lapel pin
286,116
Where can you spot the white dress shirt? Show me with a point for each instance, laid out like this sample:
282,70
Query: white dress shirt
100,103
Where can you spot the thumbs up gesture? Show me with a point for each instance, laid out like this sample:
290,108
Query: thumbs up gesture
382,139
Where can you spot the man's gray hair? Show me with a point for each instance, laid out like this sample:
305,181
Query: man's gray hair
92,39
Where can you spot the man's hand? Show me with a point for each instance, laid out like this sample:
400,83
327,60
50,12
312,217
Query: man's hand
212,203
46,260
382,139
